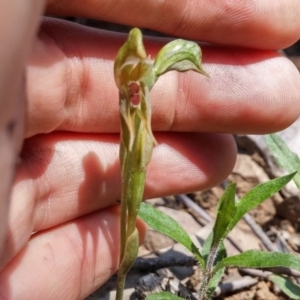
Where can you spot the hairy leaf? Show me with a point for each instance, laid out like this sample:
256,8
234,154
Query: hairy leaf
291,289
164,224
260,259
284,156
225,212
206,250
213,283
163,296
256,196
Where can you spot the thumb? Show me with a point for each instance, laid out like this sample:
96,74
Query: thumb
19,21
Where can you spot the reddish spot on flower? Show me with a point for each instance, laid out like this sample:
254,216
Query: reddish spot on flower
134,92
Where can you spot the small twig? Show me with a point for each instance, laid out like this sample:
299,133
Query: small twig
235,285
260,233
265,273
234,244
286,271
188,202
153,264
255,272
282,243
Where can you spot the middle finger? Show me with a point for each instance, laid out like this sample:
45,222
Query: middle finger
63,176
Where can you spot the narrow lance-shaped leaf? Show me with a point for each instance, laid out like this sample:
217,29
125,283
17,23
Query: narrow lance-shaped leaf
213,283
291,289
260,259
225,212
206,249
256,196
284,156
164,224
213,249
163,296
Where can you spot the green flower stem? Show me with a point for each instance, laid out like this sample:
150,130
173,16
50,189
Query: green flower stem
135,75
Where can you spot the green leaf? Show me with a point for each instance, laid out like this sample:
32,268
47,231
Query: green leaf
206,249
284,157
260,259
256,196
179,55
291,289
163,296
225,212
213,283
164,224
130,252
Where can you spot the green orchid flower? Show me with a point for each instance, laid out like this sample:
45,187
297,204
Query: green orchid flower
135,74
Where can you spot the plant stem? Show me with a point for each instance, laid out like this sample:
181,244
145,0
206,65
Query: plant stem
120,287
123,225
207,274
133,172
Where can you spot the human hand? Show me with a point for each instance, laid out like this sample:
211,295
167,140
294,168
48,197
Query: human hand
68,176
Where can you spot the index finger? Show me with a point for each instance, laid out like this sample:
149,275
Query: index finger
71,87
260,24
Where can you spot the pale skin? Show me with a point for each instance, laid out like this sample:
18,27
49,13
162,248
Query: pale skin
67,181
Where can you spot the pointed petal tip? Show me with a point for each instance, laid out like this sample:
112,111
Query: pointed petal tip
201,71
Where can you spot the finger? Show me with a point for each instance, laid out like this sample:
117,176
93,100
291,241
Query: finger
66,262
259,24
63,177
71,87
18,24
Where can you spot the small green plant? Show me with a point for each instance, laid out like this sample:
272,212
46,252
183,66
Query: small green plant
135,74
213,259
